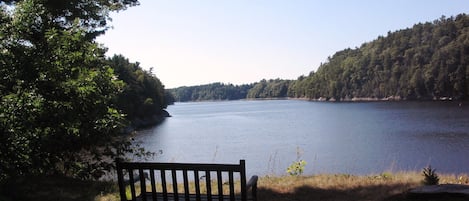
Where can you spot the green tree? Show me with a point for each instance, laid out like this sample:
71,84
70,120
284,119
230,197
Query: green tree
143,97
91,15
57,111
269,89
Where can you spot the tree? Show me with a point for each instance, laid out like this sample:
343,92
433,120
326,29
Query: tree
57,110
91,15
143,97
269,89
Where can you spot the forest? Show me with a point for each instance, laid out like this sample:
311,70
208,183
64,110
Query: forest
219,91
214,91
429,61
64,106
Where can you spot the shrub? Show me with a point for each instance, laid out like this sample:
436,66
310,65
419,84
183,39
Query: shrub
296,168
430,176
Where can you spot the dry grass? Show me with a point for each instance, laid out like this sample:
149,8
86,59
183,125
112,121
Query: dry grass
339,187
342,187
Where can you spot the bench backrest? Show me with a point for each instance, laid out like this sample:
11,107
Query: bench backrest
163,180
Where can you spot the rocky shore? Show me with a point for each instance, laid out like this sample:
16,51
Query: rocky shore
141,123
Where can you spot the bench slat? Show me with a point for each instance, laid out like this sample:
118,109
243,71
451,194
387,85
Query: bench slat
197,185
132,183
208,185
175,184
153,184
186,185
163,185
142,184
231,181
120,180
243,180
220,185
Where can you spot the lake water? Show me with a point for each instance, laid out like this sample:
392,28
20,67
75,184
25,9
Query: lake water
349,138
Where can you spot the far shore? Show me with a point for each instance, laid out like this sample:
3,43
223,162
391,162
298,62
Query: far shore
355,99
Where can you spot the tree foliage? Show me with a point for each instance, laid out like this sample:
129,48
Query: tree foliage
427,61
58,111
91,15
218,91
269,89
143,97
214,91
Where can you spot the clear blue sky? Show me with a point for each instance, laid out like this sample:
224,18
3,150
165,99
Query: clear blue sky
193,42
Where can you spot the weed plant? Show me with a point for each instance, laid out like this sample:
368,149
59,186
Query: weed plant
430,176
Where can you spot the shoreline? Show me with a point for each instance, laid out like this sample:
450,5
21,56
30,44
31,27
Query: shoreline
347,100
141,124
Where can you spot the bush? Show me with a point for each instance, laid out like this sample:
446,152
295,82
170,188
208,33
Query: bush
296,168
430,176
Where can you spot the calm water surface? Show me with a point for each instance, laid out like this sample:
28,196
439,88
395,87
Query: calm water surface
350,138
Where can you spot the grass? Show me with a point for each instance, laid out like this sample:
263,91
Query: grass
332,187
341,187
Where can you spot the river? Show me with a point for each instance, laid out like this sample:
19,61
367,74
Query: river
345,138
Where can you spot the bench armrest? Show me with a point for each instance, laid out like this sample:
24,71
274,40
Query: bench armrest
252,184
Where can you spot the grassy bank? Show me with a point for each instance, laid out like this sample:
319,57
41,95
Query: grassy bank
338,187
342,187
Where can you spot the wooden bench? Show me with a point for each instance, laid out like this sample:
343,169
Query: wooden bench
185,182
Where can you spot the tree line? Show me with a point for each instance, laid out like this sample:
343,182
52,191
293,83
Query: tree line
429,61
219,91
63,104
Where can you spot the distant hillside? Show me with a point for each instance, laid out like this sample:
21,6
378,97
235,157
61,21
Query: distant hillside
427,61
218,91
214,91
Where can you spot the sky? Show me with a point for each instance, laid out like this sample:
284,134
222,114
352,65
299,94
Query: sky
195,42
